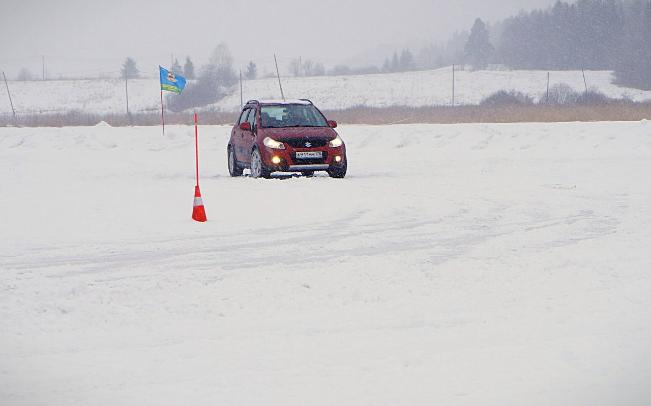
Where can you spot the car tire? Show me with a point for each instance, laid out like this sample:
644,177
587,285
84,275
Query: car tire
338,172
308,174
258,170
234,169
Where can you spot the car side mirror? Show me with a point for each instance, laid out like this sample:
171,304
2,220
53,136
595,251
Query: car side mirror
246,126
332,124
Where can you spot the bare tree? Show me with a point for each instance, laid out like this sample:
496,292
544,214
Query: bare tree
212,83
307,67
295,67
221,56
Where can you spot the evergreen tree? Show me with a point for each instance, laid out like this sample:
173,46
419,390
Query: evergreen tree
129,69
478,49
188,69
251,71
406,60
584,35
176,67
395,63
386,66
634,67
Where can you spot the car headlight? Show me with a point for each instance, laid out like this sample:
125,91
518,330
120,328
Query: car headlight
337,142
273,144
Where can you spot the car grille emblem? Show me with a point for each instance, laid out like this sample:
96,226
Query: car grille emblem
308,144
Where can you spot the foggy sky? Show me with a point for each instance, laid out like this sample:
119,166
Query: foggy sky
90,36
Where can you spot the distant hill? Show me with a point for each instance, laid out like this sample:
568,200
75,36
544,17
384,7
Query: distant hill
422,88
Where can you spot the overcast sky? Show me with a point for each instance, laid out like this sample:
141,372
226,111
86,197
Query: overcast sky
92,36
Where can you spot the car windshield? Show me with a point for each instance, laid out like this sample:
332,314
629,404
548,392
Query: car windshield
291,115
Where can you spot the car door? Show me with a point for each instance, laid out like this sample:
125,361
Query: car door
248,137
237,137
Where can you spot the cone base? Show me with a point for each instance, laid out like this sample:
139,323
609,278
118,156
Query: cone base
199,214
198,211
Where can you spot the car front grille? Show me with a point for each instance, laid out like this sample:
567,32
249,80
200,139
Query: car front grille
301,142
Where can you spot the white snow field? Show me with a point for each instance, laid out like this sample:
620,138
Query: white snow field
416,89
455,265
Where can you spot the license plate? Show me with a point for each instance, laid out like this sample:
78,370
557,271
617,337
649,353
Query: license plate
309,155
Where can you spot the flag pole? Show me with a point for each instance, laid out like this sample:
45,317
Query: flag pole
198,210
196,146
162,110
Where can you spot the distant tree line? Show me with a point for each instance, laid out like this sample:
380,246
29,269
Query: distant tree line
299,67
436,56
399,63
589,34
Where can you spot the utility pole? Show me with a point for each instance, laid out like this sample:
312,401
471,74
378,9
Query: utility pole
452,85
585,83
241,91
43,64
126,89
10,101
547,88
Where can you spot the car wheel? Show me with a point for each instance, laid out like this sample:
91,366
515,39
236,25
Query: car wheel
233,168
258,169
338,172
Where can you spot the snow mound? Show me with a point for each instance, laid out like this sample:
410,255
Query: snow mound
102,124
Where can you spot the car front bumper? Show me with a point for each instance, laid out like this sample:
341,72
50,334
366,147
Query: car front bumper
284,160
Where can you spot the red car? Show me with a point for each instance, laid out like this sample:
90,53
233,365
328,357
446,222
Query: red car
285,136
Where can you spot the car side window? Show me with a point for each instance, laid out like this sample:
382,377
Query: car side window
243,116
252,118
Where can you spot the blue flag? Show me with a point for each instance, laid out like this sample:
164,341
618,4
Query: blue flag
170,81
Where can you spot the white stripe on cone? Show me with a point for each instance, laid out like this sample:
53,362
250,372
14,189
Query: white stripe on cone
198,202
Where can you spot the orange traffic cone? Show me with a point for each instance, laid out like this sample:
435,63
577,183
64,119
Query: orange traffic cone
198,211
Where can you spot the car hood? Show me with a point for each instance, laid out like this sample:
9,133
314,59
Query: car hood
299,132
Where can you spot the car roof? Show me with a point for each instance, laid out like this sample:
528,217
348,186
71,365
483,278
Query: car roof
305,102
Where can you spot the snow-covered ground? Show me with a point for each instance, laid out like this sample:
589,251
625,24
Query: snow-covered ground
96,96
456,265
422,88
